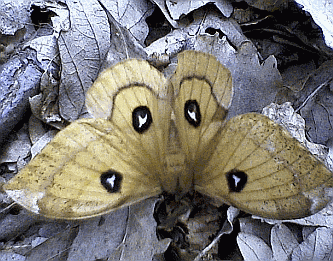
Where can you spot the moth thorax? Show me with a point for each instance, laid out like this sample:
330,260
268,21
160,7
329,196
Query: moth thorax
176,170
175,164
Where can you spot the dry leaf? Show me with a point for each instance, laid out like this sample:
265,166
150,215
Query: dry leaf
174,10
82,50
99,237
11,256
42,142
178,8
123,44
18,147
318,246
322,13
14,15
54,248
46,47
295,76
313,100
286,116
127,234
253,248
11,226
283,242
36,129
139,241
255,227
269,5
131,15
19,81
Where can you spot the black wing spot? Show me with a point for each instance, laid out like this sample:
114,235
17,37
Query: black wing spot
141,119
111,181
192,113
236,180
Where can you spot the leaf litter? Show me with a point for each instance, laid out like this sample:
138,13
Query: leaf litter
89,40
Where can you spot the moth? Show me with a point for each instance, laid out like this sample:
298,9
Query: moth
150,134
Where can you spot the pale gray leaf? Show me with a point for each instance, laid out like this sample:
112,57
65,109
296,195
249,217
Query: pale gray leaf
286,116
42,142
171,44
61,20
14,15
318,114
253,248
162,6
180,7
46,48
140,242
54,248
318,246
36,129
312,97
307,231
123,44
18,146
82,49
283,242
99,237
131,15
19,80
255,227
12,226
11,256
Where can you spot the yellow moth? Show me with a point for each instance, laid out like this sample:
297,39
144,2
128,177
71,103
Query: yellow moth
151,134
